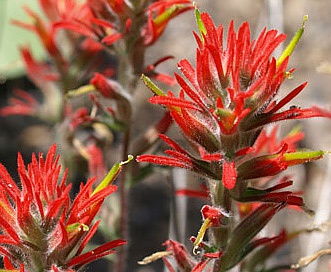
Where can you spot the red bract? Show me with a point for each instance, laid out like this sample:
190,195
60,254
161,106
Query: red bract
253,198
41,228
269,156
269,143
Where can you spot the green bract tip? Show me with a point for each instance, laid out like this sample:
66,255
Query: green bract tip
289,49
112,174
152,86
200,24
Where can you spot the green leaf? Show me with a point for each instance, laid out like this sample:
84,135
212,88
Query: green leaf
259,258
223,113
251,192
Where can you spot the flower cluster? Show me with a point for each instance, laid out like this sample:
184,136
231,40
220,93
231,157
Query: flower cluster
41,227
228,108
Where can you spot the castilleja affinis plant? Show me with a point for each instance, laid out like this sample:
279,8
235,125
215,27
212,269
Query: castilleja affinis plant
229,109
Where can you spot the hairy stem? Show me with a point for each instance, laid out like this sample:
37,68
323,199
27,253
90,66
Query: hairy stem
219,236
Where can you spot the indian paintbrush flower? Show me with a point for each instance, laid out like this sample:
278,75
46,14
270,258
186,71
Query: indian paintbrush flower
41,227
227,100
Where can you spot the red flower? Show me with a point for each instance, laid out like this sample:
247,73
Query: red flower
108,21
42,75
152,73
41,228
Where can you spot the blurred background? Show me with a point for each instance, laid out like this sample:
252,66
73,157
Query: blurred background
150,200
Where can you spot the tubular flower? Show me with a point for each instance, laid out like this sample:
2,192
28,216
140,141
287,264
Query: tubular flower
213,217
227,99
42,229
